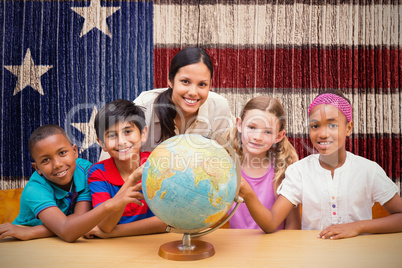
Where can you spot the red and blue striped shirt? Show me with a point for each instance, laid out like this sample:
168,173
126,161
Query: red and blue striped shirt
105,181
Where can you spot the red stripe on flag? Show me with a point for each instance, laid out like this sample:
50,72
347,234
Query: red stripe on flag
300,68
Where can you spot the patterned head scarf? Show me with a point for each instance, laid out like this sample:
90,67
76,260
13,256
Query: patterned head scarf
332,99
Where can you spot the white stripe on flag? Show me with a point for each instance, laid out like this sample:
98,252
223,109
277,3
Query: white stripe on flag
258,25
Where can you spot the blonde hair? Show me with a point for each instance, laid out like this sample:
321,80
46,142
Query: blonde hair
283,152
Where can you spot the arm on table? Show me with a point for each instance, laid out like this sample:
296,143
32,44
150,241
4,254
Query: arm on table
71,228
24,232
40,231
389,224
146,226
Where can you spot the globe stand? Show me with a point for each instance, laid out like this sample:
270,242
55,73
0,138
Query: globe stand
186,250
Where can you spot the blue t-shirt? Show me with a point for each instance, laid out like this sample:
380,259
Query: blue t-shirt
40,194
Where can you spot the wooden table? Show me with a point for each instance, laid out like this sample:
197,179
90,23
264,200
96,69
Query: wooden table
248,248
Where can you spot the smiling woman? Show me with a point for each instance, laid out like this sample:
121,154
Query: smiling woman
187,105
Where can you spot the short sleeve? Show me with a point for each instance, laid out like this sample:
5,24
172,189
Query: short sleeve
35,198
39,197
85,195
98,186
383,187
292,186
83,168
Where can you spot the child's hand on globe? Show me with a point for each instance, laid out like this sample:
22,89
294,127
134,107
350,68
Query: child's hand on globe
245,189
131,195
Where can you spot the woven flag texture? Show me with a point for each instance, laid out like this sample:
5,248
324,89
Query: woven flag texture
60,62
291,50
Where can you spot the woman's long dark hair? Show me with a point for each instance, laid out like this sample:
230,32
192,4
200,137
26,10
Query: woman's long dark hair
164,106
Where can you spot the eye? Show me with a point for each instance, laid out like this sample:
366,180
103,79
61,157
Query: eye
111,136
251,127
267,132
128,131
185,82
45,161
203,84
333,125
313,126
63,153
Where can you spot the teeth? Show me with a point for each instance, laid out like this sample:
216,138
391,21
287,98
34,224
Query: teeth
124,150
325,143
61,173
191,101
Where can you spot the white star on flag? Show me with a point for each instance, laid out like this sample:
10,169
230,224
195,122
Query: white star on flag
28,74
95,17
88,130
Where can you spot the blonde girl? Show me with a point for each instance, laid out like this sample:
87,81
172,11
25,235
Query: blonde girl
265,153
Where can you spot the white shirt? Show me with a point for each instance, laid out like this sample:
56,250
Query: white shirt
347,197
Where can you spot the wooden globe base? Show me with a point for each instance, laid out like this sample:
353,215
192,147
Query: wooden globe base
171,251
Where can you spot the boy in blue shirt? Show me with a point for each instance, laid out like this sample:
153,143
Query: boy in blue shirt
56,199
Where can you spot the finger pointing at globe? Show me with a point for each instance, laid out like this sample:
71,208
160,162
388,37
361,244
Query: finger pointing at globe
136,176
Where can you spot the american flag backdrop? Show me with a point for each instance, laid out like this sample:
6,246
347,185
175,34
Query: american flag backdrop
60,62
63,60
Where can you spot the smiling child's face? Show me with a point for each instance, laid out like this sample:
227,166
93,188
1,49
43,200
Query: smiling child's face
328,129
259,131
123,141
54,158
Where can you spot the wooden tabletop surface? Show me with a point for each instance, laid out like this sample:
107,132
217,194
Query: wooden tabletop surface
246,248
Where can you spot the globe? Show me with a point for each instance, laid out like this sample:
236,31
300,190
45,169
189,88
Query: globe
189,182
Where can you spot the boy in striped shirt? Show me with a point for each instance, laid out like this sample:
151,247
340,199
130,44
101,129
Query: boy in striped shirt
120,128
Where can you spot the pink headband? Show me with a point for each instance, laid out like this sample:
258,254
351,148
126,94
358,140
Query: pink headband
338,102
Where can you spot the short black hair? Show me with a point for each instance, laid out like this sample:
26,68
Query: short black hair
43,132
118,111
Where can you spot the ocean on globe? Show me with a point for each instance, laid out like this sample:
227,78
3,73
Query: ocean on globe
189,182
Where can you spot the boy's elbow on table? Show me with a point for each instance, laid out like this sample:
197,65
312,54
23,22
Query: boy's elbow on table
106,230
69,238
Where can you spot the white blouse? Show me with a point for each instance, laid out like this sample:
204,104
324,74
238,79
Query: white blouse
347,197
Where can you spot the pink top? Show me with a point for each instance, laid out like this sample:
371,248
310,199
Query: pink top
263,187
